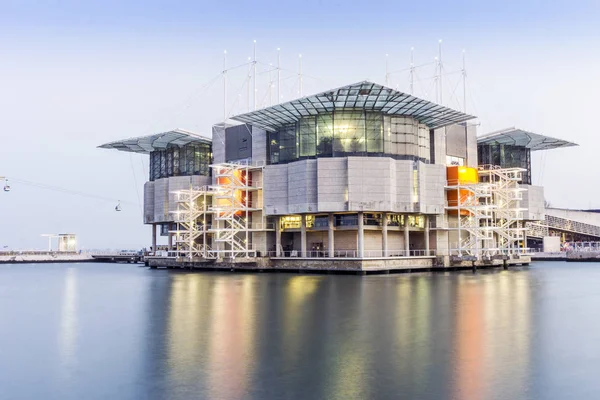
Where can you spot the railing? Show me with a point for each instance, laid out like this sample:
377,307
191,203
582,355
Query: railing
352,254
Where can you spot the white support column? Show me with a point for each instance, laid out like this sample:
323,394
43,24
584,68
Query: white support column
330,235
277,236
303,236
361,235
426,218
406,236
384,234
170,242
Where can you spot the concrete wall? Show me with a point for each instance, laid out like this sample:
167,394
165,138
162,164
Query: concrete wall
159,199
533,200
373,241
432,179
590,218
332,184
302,191
354,184
259,146
148,202
369,185
472,160
345,240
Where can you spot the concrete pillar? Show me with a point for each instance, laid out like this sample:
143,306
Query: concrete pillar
406,236
426,218
330,235
361,235
303,236
154,238
170,243
278,236
384,234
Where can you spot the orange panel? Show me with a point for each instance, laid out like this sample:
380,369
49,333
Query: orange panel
452,196
461,175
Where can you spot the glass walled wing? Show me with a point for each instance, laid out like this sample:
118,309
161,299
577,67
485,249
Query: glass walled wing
350,133
191,159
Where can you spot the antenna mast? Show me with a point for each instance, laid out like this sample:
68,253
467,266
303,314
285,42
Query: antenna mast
387,75
254,74
436,79
464,76
300,74
249,76
224,85
412,70
440,71
278,75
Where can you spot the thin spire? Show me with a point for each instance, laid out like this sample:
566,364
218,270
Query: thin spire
464,77
387,73
440,72
224,85
278,75
412,70
300,73
254,77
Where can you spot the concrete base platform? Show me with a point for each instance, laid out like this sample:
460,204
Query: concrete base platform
338,265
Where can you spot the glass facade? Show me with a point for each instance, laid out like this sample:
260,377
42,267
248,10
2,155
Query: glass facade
191,159
349,133
506,156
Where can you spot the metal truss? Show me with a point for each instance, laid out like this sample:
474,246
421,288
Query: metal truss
474,209
508,213
232,208
192,218
552,223
490,213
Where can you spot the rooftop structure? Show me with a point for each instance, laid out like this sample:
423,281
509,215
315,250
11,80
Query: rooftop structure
512,147
521,138
157,141
367,96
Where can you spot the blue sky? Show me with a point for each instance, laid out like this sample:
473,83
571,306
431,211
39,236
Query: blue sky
76,74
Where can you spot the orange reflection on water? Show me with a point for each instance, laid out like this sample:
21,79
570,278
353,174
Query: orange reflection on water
469,341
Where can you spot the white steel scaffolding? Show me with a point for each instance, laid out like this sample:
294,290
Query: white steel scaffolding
508,214
233,207
192,218
489,219
474,218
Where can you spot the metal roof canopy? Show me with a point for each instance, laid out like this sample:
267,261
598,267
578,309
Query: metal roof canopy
521,138
364,96
158,141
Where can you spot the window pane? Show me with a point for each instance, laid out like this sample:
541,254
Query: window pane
374,132
273,147
287,143
324,135
307,137
349,132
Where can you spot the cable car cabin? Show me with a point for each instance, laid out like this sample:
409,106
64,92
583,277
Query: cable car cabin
461,176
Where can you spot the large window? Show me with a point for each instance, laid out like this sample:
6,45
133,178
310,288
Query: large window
506,156
191,159
349,133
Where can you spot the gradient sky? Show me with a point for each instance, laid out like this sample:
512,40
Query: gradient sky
77,74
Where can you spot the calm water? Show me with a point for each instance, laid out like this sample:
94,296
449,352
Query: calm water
106,331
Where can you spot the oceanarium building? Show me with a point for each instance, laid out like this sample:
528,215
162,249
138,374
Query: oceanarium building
359,177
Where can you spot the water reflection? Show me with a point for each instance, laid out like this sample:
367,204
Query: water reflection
416,336
68,326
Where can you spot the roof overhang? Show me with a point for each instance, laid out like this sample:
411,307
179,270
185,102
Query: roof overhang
359,96
522,138
158,141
